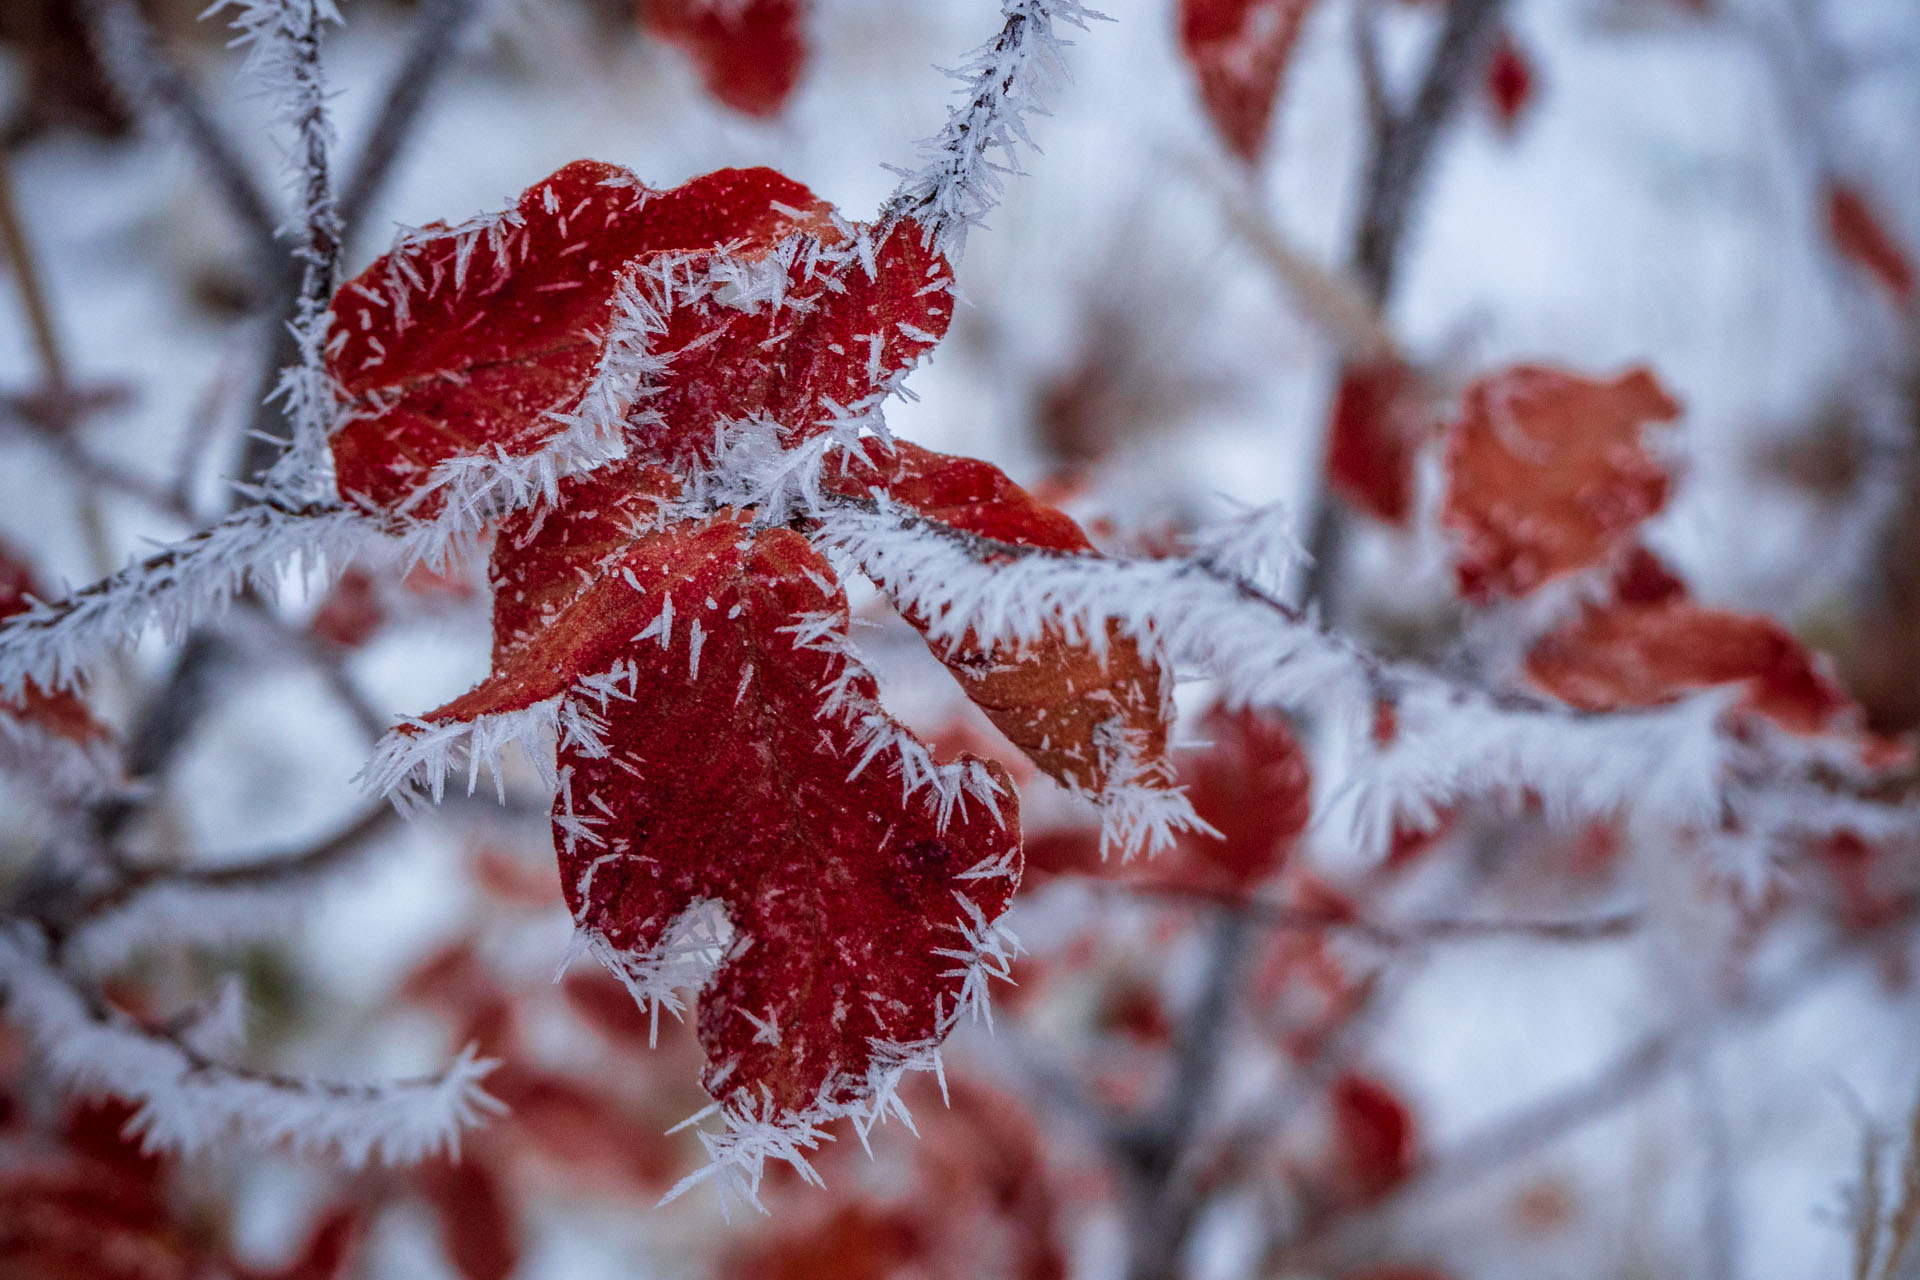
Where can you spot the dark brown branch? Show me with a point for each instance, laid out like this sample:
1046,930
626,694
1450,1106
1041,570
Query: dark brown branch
154,85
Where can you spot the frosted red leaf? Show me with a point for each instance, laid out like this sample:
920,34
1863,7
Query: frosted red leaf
750,53
1650,642
1238,50
1863,239
724,775
599,298
1549,472
1380,419
1057,700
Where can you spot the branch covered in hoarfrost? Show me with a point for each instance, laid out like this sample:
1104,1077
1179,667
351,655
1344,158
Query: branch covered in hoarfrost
1003,80
188,1103
1418,741
54,643
282,39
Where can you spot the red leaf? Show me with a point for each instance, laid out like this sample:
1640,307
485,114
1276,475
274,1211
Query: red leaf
1239,50
483,338
352,611
1651,643
1380,418
1863,239
477,1227
1253,785
750,52
732,776
1055,700
1509,81
1373,1133
1547,473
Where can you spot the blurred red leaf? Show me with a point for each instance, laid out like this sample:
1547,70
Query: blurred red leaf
1380,417
1054,699
1650,642
750,53
351,612
1548,473
1238,49
477,1227
1374,1135
1510,81
1863,239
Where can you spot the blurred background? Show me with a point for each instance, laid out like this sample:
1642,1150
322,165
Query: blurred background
1717,189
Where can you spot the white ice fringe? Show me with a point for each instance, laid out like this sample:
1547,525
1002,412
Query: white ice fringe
1452,741
1141,811
54,643
753,1131
1002,81
188,1104
685,957
879,738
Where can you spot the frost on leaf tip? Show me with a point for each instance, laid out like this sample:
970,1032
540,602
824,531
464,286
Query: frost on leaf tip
750,53
1238,50
764,778
1548,472
1093,712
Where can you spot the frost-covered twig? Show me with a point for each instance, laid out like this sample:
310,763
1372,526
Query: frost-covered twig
189,1103
1003,81
55,643
153,85
282,39
1447,743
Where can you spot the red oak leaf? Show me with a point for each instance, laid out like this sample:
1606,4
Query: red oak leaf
1239,49
1547,473
1863,239
750,52
1651,642
1059,701
599,316
745,763
1380,417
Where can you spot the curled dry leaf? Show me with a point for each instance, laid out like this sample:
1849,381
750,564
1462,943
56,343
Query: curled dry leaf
750,53
1549,472
1238,50
1092,714
1650,642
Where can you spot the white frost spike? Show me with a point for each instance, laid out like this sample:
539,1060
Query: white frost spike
1255,543
683,959
54,643
189,1104
1001,82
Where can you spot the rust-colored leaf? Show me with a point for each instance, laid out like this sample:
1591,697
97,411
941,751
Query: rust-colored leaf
1510,81
1651,642
1062,703
1380,418
1238,50
1549,472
